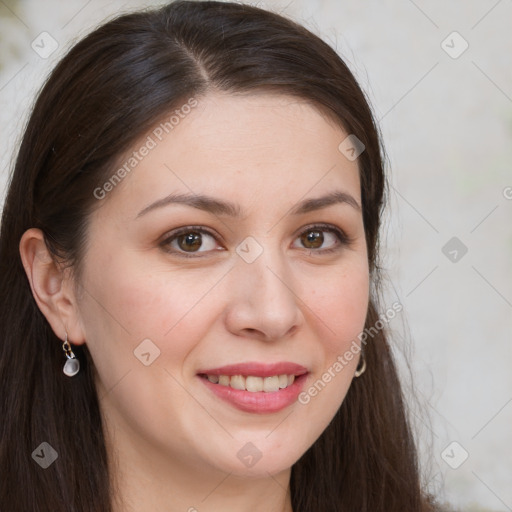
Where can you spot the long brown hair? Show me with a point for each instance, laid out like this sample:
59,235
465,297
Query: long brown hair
104,94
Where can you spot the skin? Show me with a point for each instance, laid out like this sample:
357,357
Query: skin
173,442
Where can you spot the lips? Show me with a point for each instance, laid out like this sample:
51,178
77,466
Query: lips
256,387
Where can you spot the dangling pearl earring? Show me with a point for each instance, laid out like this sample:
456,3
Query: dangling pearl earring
72,365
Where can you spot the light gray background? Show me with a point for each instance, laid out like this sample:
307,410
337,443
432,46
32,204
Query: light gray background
447,126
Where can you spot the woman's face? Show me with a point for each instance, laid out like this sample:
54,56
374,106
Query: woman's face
246,268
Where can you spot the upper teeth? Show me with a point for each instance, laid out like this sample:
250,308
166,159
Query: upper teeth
251,383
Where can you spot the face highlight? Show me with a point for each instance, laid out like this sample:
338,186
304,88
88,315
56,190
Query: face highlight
237,243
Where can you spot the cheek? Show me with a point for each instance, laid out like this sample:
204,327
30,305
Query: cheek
338,306
133,302
340,302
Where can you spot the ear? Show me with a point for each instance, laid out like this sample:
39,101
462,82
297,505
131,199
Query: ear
52,287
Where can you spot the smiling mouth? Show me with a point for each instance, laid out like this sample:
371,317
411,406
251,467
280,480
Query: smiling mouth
252,383
254,386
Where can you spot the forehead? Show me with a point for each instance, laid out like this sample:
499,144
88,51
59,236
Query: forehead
259,147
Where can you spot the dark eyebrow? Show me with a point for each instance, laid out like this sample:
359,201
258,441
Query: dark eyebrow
218,207
316,203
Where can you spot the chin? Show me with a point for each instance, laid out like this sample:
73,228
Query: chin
259,459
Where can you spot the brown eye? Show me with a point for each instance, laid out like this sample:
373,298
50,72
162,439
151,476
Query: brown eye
322,239
190,241
312,239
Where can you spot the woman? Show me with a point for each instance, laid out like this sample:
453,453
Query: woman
189,279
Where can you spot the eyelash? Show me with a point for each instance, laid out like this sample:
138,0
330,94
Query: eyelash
343,239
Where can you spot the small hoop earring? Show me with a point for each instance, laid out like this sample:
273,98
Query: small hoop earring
360,367
72,365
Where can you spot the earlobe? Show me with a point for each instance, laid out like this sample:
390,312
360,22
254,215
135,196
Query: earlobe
50,286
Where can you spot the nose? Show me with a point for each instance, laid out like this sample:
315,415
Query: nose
263,301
